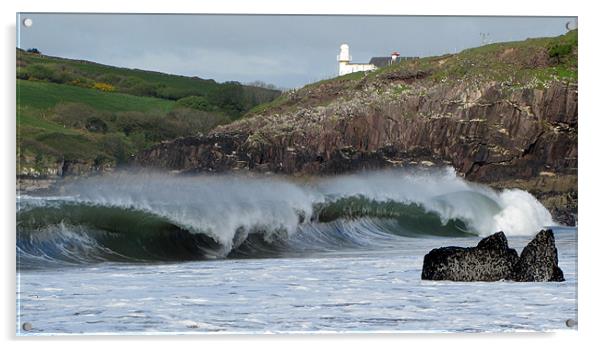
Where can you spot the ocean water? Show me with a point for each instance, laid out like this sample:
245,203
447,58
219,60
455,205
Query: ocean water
163,254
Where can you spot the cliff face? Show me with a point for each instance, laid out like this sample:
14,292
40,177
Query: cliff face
503,115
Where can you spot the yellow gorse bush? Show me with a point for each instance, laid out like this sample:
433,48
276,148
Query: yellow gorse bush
104,87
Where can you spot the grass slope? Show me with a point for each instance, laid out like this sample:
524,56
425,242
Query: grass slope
231,98
43,95
90,69
97,115
60,122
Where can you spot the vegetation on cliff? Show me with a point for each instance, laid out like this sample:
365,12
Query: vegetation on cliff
514,65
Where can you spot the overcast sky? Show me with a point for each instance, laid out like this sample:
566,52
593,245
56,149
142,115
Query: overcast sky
288,51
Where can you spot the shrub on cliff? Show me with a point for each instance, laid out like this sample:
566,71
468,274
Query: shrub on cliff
110,78
138,87
96,124
121,148
146,128
195,102
80,116
46,72
82,82
563,49
229,97
191,121
38,72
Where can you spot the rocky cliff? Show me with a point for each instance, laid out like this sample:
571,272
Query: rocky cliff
502,114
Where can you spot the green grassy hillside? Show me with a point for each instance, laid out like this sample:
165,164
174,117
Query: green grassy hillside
58,122
44,95
95,115
232,98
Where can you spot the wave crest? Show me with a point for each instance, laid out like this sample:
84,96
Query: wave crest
162,217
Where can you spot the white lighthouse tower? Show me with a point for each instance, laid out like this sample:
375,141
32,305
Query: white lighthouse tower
345,65
344,54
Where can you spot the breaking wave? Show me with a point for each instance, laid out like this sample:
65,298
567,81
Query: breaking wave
149,217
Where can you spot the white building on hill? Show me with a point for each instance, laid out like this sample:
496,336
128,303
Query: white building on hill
346,67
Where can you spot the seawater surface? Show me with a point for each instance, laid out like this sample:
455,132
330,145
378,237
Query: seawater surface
163,254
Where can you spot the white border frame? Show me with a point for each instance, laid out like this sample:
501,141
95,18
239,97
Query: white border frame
589,291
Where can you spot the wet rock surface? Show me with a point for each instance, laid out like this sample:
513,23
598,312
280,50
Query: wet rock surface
539,260
493,260
490,260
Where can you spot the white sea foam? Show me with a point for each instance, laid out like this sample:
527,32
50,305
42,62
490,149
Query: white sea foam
228,208
486,211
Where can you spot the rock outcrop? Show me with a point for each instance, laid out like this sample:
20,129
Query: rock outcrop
43,178
539,260
489,137
493,260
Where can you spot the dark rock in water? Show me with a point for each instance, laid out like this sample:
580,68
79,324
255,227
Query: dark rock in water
491,260
539,260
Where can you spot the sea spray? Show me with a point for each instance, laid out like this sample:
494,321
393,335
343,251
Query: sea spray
149,216
442,192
